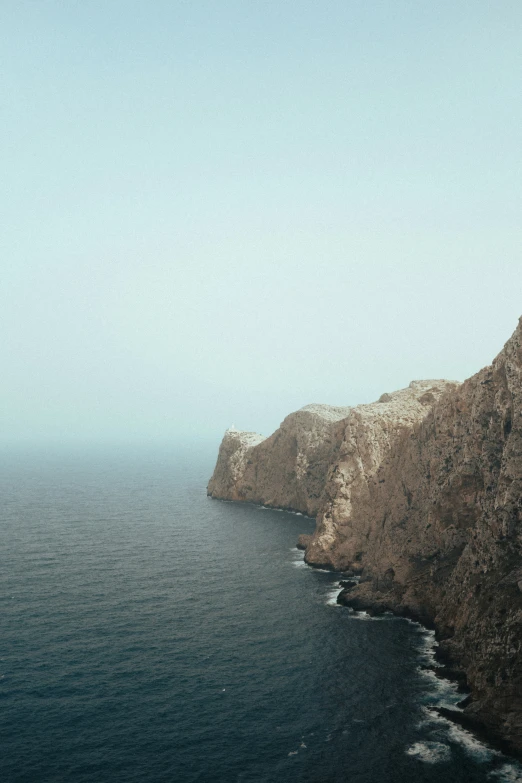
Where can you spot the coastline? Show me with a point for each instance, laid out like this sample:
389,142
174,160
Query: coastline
419,493
449,668
375,606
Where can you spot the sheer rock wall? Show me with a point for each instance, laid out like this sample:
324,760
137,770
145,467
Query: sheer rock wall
444,517
421,494
286,470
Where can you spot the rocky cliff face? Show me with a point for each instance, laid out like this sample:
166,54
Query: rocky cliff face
421,494
286,470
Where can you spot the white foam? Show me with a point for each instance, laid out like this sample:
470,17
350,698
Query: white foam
415,623
444,692
332,596
455,733
473,746
361,616
280,510
297,557
430,752
430,716
508,773
427,647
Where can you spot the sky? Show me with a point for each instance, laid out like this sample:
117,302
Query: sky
214,213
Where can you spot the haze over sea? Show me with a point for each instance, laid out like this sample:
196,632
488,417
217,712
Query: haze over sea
149,633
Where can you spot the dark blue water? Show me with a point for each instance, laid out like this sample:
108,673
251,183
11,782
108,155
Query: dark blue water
151,634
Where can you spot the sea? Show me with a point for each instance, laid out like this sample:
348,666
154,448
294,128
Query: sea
149,634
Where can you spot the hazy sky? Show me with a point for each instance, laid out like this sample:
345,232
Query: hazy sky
217,212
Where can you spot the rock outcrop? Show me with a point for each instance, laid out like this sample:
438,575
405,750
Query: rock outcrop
420,494
288,469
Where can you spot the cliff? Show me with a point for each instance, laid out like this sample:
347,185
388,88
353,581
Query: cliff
421,494
286,470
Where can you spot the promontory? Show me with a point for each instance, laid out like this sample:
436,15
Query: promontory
420,494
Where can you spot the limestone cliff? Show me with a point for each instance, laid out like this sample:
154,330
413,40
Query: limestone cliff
286,470
438,535
420,493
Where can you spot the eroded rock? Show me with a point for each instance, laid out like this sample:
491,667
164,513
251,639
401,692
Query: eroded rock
421,494
288,469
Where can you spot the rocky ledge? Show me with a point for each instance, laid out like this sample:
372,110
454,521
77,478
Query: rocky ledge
419,493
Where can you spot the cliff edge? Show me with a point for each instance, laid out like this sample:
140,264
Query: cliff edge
421,494
288,469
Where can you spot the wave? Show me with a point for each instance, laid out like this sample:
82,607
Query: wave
332,596
442,692
430,752
508,773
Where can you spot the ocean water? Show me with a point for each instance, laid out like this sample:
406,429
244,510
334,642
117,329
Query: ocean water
151,634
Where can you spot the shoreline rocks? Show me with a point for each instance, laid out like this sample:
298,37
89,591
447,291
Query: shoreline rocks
303,541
